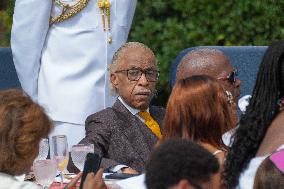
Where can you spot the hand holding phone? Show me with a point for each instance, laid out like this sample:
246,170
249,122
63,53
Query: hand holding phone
95,181
92,164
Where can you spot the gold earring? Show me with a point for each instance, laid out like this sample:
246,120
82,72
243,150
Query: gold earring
230,97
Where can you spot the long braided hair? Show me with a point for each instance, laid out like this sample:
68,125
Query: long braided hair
260,112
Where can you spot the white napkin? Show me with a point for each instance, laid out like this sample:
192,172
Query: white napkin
137,182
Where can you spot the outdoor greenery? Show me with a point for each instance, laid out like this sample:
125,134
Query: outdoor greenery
169,26
6,13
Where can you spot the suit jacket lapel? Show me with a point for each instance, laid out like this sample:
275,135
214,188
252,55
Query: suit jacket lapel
131,127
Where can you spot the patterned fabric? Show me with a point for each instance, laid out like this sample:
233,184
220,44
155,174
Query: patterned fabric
151,123
121,137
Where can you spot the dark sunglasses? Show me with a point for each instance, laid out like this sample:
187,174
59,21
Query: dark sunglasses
232,77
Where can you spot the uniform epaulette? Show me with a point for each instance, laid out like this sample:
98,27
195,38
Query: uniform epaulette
68,10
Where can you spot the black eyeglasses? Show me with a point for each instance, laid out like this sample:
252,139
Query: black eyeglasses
232,77
135,74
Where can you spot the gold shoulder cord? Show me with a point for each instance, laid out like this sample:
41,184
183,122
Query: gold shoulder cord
104,6
68,10
107,7
71,10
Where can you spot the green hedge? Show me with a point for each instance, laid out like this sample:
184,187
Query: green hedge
168,26
6,13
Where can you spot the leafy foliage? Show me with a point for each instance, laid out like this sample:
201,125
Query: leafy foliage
171,26
6,21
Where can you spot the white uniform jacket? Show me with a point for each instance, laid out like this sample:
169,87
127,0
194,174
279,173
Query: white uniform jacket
64,66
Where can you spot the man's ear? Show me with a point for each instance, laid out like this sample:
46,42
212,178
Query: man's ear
114,80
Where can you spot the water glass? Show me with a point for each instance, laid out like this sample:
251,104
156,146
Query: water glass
45,171
79,153
43,149
60,153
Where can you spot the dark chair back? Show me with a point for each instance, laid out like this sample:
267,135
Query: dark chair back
8,74
245,58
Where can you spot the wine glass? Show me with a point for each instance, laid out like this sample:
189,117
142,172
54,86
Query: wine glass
43,149
45,171
79,153
60,153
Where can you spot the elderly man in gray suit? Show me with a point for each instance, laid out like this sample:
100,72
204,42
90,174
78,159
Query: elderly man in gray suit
125,133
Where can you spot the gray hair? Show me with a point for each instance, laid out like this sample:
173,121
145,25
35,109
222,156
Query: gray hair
113,66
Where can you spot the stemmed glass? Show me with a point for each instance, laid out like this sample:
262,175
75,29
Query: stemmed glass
43,149
60,153
79,153
45,171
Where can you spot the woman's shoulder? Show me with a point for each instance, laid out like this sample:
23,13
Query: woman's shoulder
273,138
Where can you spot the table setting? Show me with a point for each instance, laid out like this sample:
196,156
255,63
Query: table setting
50,172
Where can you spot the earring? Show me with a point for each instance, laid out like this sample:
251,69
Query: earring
230,97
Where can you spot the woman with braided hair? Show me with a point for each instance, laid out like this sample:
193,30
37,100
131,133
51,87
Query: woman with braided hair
261,128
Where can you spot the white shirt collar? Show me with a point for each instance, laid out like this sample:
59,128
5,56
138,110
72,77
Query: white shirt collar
132,110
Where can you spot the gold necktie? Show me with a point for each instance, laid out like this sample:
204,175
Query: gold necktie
151,123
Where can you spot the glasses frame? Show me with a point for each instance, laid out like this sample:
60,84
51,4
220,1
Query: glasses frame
232,77
141,72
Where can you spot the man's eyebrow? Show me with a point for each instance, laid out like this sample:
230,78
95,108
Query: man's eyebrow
138,68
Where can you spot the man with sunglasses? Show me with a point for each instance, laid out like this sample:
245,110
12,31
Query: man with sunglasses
125,133
213,62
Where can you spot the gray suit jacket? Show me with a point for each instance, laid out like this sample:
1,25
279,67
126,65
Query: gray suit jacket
120,137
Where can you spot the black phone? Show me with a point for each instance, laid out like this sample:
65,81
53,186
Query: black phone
92,164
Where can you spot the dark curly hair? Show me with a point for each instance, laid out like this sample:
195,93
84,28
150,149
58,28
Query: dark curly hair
23,124
176,159
260,112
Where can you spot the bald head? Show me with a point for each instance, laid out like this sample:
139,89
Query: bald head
212,62
203,61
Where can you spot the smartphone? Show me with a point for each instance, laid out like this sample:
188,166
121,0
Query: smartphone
92,164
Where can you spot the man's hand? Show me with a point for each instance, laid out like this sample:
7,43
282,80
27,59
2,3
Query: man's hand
92,181
129,170
95,181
